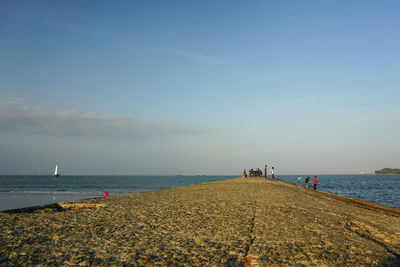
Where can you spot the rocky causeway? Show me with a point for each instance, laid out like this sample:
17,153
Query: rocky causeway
237,222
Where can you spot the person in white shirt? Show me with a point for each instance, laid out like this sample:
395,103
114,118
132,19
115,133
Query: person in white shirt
299,181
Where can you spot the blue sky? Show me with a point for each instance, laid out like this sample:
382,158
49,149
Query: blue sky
185,87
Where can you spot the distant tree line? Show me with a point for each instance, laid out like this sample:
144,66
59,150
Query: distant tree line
388,171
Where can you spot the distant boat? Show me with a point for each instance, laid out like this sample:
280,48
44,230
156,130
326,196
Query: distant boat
56,171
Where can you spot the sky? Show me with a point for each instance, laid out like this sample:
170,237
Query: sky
199,87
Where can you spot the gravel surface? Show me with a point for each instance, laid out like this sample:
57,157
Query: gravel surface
238,222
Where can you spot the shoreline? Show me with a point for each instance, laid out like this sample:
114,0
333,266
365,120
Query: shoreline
349,200
47,190
352,186
235,222
53,204
355,201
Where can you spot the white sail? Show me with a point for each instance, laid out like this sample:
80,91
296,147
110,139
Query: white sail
56,173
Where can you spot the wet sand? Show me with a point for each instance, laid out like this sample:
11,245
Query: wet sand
238,222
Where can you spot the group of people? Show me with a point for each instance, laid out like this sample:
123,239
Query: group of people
306,181
259,173
255,173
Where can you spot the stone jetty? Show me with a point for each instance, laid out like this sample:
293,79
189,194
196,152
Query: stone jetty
238,222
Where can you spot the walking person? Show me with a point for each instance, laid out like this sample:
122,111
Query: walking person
315,182
272,172
265,171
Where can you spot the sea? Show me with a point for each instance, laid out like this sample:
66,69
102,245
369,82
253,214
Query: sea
19,191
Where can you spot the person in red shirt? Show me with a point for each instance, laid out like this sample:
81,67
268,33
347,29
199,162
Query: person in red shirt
106,194
315,182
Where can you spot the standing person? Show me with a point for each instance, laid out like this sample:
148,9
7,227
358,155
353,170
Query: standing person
315,182
272,172
306,182
265,171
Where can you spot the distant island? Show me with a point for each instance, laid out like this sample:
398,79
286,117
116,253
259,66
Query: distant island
388,171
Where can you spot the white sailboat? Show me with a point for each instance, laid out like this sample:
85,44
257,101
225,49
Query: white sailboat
56,171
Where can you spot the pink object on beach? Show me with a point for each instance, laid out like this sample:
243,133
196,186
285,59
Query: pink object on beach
106,194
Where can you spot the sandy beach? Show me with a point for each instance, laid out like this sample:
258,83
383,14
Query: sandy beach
238,222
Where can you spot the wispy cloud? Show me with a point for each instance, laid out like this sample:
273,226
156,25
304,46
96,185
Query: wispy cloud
189,55
17,116
201,58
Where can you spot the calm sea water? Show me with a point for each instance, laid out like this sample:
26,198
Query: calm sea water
379,188
18,191
23,191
